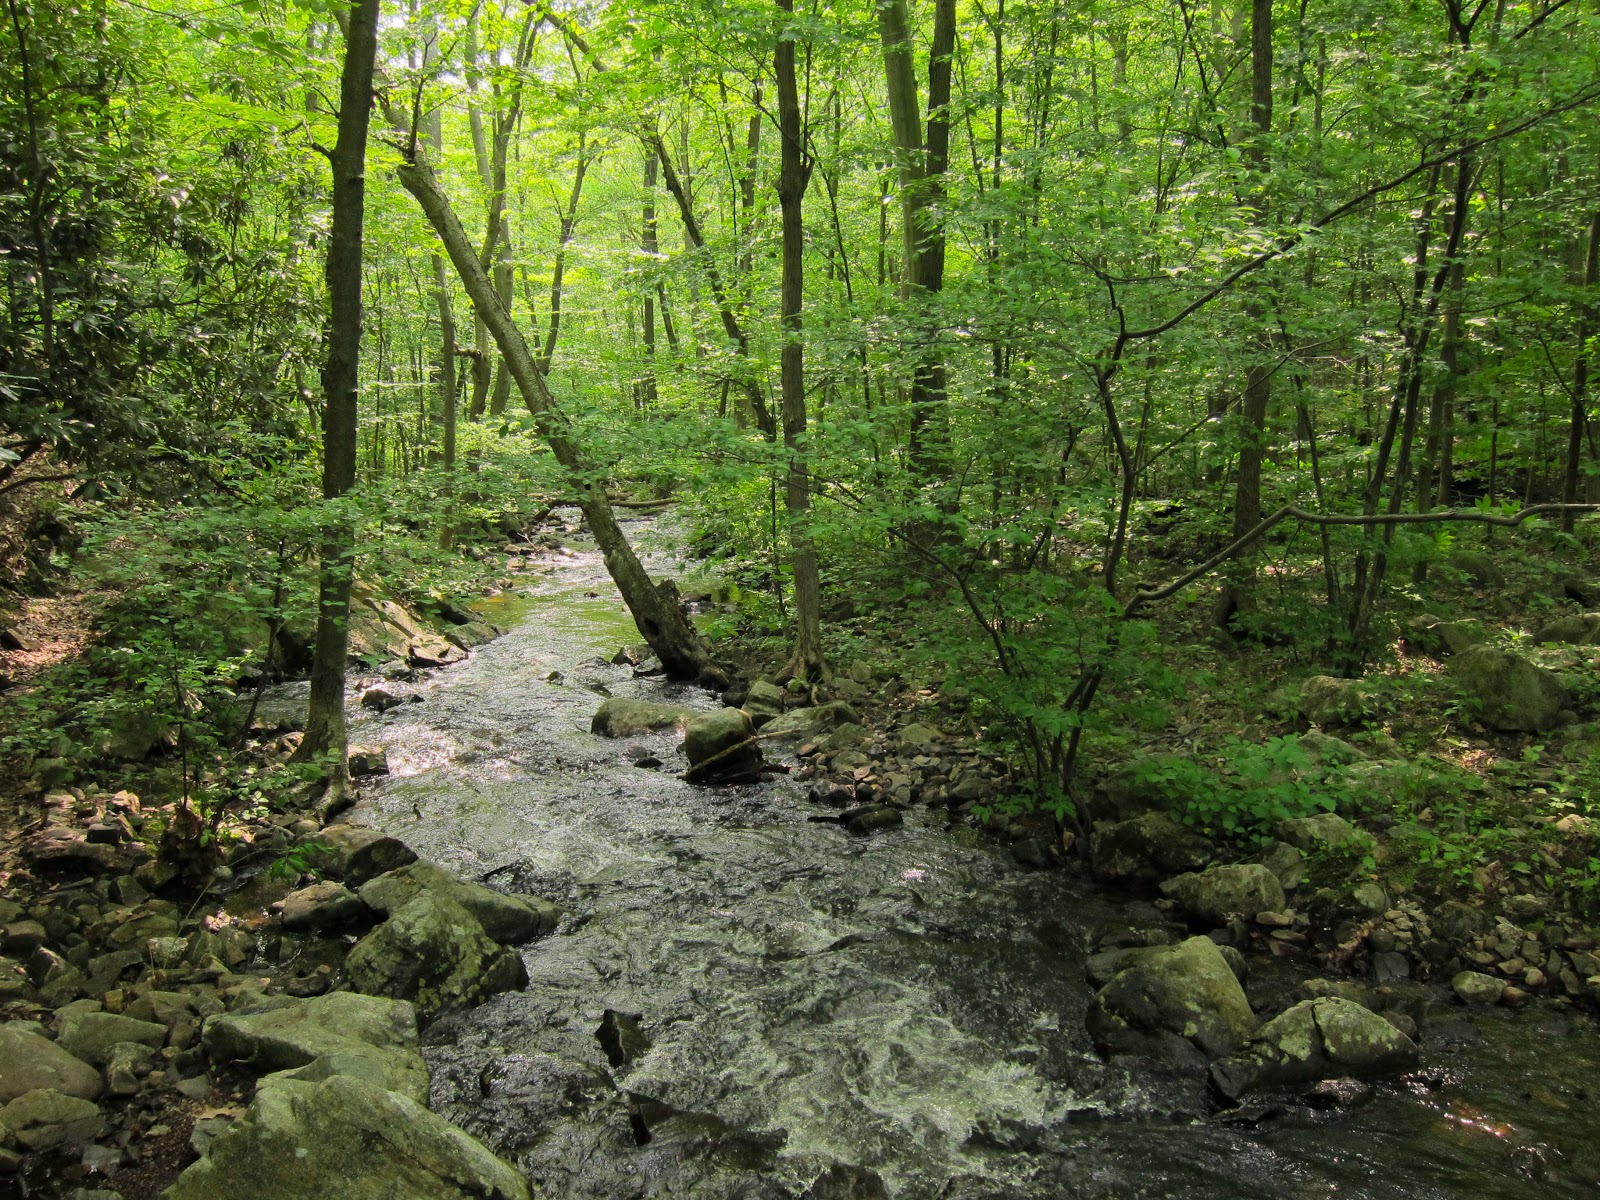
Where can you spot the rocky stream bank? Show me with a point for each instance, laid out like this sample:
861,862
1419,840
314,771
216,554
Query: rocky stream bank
836,976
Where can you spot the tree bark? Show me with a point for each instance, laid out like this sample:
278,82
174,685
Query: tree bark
1238,592
655,608
921,169
1578,423
325,724
795,173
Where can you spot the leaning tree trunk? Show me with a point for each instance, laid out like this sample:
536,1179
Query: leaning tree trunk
325,725
655,608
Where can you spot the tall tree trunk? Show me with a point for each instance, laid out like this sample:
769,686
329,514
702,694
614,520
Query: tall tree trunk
644,391
325,725
447,361
922,165
795,173
1238,592
655,608
1577,426
569,222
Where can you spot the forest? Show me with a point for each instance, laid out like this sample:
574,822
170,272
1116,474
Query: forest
1149,443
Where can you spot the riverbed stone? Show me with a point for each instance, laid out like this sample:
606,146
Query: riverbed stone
347,1138
707,735
294,1033
764,701
510,920
92,1036
1147,847
46,1119
127,1066
1178,1003
326,905
30,1061
1214,895
621,716
1512,695
1474,987
356,854
432,952
1316,1039
808,724
431,650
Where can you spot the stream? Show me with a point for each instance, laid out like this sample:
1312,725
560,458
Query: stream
796,1002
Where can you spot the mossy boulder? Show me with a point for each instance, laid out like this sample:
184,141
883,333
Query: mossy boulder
1511,694
809,724
1582,629
345,1137
1214,895
434,953
1148,847
1182,1004
509,920
1316,1039
284,1035
620,716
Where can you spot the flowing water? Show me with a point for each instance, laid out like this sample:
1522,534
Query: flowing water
794,998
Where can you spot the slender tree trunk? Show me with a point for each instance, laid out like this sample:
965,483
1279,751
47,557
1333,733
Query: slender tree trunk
655,608
569,222
644,392
1238,592
447,362
921,166
1577,426
795,173
325,725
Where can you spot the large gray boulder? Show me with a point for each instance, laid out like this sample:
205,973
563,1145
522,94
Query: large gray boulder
1582,629
1218,893
346,1139
808,724
1512,695
510,920
90,1036
1180,1003
356,854
47,1119
293,1035
1327,701
621,717
29,1062
1151,846
432,952
1316,1039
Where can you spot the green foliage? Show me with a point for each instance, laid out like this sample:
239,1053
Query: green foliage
1244,789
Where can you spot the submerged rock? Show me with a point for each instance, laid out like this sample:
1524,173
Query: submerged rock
1316,1039
432,952
1511,693
292,1034
1180,1003
347,1138
622,717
